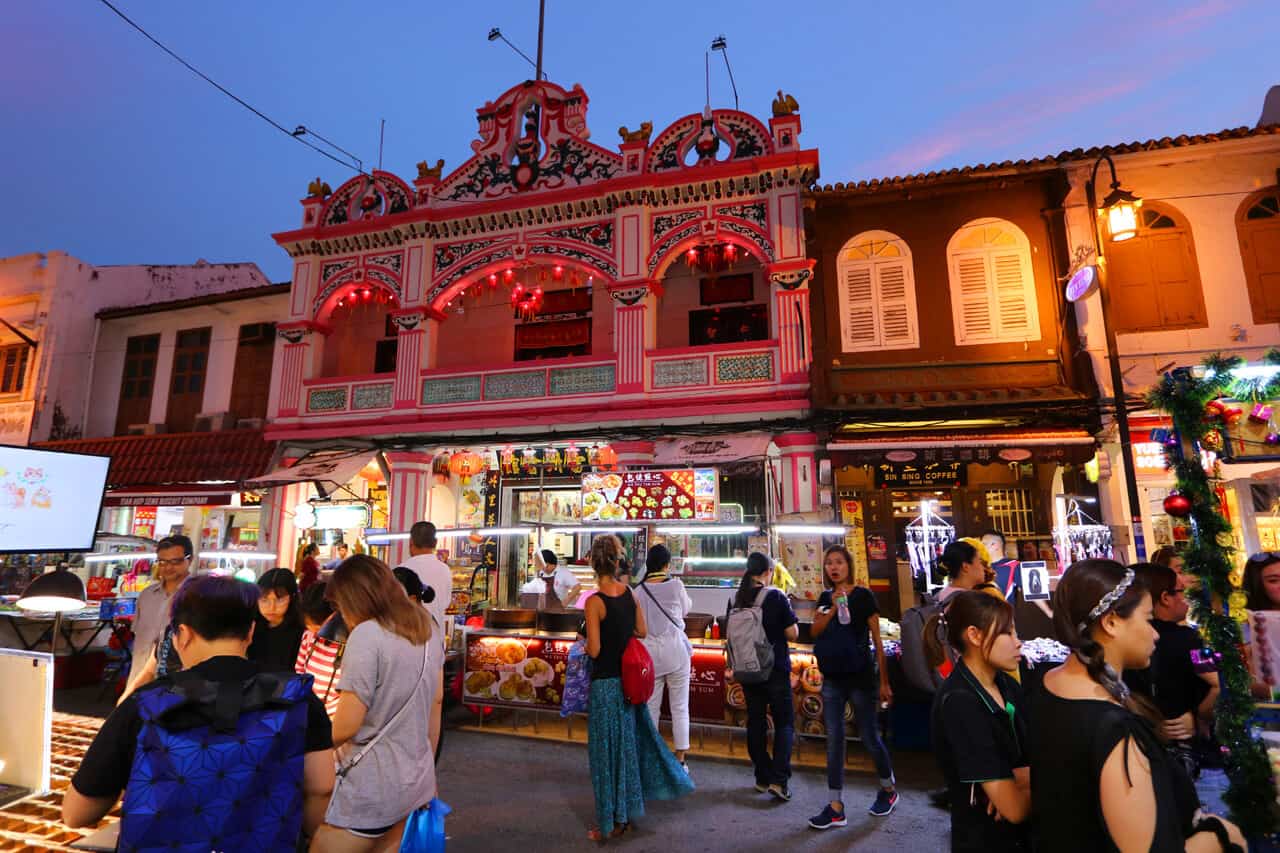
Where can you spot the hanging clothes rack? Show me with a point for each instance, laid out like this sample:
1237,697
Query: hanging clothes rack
927,534
1082,537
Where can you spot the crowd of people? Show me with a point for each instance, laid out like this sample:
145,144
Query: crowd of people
269,711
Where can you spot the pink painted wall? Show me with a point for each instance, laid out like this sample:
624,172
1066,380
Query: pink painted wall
349,350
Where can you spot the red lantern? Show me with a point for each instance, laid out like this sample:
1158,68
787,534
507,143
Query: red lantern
466,464
1177,504
607,458
508,275
493,280
557,272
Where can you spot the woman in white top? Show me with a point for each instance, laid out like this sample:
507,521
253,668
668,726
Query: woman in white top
665,604
388,718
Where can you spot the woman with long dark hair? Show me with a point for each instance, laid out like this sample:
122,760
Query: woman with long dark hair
1100,777
629,761
388,715
771,697
979,725
845,626
278,629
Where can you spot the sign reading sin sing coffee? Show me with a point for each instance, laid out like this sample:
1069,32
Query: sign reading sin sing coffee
926,475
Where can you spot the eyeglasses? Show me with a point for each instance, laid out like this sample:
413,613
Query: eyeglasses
178,561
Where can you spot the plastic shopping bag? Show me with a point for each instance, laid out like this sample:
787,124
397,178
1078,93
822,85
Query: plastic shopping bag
577,680
424,830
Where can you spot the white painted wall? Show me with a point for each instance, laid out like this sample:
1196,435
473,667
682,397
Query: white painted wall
70,292
225,320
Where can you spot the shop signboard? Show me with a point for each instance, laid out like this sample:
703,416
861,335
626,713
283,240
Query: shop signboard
920,475
517,671
15,422
855,539
171,499
678,495
707,685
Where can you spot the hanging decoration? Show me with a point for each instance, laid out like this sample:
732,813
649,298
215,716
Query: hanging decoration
1177,504
711,258
1194,403
927,535
605,458
527,301
466,464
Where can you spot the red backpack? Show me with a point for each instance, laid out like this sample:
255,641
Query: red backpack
637,673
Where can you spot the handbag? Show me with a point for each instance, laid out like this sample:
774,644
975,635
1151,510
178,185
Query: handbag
424,829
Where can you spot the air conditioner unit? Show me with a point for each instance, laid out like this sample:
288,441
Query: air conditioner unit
251,423
146,429
213,422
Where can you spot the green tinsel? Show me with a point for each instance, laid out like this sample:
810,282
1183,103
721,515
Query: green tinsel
1251,795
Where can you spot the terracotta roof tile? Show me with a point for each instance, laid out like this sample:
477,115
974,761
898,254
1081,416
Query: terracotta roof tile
1047,162
177,458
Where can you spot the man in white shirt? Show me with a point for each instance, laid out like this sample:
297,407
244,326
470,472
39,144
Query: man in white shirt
564,583
429,568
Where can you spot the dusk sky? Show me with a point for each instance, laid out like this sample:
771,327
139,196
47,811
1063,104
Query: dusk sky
117,154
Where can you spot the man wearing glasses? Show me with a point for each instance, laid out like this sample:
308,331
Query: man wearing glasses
171,567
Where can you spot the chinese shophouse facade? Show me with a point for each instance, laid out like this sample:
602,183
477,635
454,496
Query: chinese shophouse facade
479,341
948,361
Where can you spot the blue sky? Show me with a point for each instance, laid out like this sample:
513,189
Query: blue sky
117,154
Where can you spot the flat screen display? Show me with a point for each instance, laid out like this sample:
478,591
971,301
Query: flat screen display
49,501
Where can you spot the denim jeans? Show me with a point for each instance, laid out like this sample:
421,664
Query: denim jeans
836,691
774,696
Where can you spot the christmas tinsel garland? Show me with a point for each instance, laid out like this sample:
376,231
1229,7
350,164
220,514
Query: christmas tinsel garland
1184,395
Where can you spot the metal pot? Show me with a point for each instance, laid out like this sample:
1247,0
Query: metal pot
510,617
559,621
696,624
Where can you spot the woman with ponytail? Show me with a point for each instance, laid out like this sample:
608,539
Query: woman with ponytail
1100,778
979,725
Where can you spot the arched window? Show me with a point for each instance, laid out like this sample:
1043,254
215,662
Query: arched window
877,292
1153,278
993,290
1258,225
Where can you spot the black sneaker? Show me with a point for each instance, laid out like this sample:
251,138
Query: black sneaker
885,801
829,818
781,791
762,787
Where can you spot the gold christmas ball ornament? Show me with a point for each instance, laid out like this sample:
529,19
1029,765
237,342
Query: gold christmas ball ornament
1224,540
1236,602
1212,440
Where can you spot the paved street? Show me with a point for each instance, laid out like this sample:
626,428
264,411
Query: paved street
514,793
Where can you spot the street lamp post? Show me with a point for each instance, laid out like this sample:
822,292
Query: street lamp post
1121,208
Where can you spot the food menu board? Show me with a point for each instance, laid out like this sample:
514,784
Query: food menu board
512,670
683,494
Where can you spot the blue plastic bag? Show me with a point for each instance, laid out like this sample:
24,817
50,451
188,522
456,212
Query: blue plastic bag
424,830
577,680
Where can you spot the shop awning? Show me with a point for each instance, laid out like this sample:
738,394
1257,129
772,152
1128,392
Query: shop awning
330,469
996,446
200,459
711,450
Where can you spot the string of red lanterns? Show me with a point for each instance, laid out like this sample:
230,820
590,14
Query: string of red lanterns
711,257
364,295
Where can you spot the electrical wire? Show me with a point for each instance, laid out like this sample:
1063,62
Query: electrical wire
228,92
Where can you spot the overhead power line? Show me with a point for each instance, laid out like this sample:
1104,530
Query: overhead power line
224,90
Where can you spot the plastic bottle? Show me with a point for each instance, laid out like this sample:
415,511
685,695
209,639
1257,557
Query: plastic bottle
715,630
842,609
706,635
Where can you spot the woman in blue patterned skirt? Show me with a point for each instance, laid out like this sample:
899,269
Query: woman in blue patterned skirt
629,761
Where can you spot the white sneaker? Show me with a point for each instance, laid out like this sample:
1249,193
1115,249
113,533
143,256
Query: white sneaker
684,765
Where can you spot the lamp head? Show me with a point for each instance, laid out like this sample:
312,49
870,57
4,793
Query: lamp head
59,591
300,130
719,43
1121,208
495,34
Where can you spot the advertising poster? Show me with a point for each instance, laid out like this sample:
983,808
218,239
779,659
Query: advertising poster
802,555
515,671
49,501
663,495
855,539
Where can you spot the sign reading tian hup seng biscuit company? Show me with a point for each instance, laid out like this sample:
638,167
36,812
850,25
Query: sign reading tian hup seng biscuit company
675,495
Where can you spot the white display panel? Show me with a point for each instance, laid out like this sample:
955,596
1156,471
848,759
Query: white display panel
49,501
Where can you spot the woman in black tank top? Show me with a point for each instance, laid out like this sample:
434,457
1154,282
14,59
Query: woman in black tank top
619,733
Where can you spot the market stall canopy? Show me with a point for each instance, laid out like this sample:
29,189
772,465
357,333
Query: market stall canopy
330,470
996,446
711,450
202,459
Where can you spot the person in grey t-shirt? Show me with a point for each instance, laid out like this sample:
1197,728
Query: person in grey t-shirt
388,719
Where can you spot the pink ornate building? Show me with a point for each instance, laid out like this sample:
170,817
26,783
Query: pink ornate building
550,290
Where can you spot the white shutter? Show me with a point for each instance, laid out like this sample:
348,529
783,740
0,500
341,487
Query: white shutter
972,292
896,304
1015,298
859,314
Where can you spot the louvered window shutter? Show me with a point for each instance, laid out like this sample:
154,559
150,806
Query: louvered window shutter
859,320
1014,297
974,321
895,295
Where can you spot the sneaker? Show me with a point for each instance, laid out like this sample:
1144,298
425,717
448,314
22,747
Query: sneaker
684,765
781,791
885,801
829,818
762,787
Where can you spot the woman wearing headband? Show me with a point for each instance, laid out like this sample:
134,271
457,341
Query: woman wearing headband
1100,778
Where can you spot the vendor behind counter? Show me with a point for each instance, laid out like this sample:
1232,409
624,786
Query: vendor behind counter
555,587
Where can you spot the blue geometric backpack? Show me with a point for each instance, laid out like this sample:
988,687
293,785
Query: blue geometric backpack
218,766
